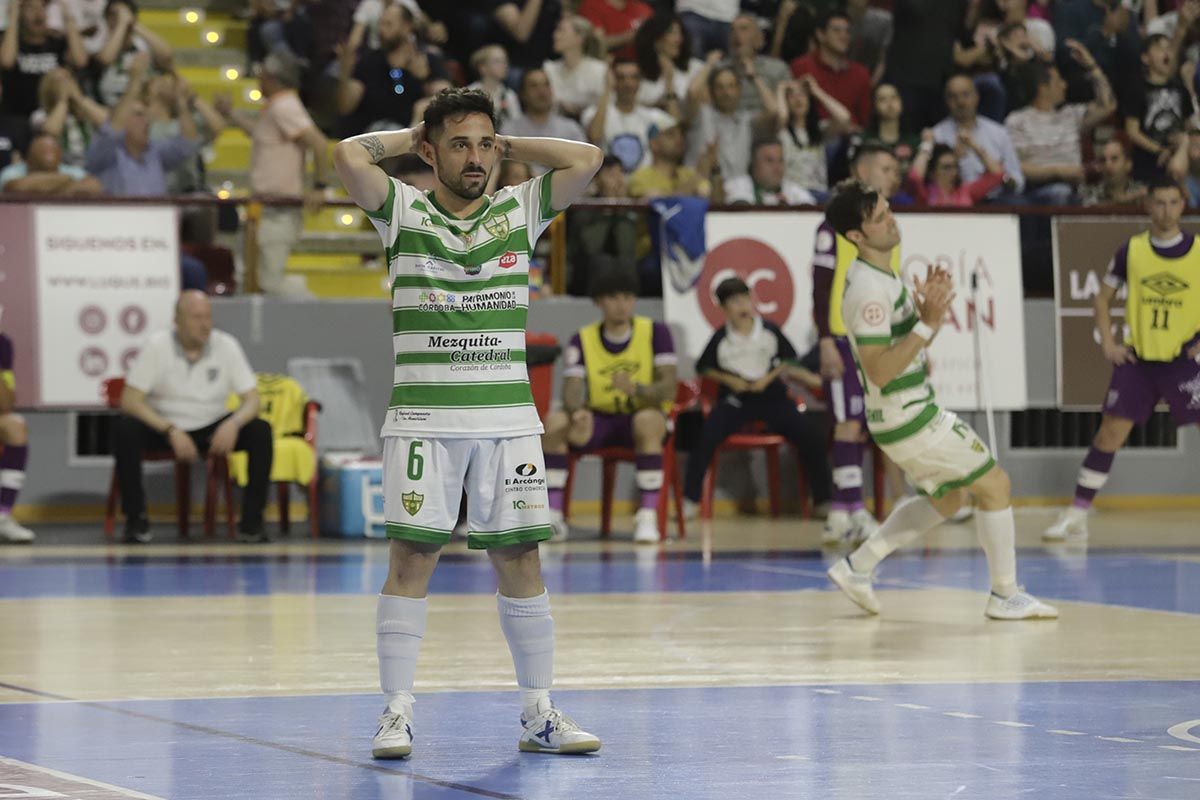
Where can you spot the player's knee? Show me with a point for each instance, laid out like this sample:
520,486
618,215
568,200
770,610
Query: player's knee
649,423
949,504
13,429
994,488
1112,434
556,422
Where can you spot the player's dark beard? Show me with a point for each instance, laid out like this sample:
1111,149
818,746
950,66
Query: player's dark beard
457,184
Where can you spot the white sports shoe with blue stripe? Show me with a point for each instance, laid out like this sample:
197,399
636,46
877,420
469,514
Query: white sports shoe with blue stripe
552,731
394,738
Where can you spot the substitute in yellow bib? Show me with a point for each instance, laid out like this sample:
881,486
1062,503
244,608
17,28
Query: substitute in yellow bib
1160,357
618,385
14,449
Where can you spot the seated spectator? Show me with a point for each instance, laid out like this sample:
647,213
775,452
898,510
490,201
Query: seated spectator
666,63
766,184
1016,62
886,128
433,87
14,137
524,28
378,88
29,49
618,384
1041,33
879,168
67,114
618,124
1106,28
282,135
175,397
577,75
122,154
599,240
366,24
279,26
1116,186
985,136
610,182
192,275
870,36
512,173
707,23
14,438
665,175
167,98
88,16
747,359
1157,108
921,56
540,118
1047,134
802,135
126,38
721,121
491,66
617,21
746,42
829,62
42,172
935,177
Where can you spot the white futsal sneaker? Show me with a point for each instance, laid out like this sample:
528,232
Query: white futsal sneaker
14,532
1019,605
552,731
394,738
838,529
561,530
645,526
856,585
1071,525
864,524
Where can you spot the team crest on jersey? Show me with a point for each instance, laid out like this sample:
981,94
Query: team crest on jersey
412,502
497,225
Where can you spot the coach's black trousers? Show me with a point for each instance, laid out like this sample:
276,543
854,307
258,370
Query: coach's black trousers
780,416
132,438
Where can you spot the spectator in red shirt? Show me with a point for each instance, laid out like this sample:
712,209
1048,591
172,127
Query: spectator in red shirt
935,179
618,21
829,62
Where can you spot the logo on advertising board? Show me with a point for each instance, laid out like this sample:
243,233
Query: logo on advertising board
762,268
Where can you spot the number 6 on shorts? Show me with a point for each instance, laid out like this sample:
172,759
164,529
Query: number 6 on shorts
416,464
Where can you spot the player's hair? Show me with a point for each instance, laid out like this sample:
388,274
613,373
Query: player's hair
729,288
1162,180
523,84
450,103
823,21
935,155
759,143
1152,40
851,204
1039,74
615,280
870,150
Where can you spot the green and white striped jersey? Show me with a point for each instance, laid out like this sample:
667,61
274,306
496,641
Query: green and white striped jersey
460,295
878,310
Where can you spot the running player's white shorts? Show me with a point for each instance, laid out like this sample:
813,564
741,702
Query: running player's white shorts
505,481
946,455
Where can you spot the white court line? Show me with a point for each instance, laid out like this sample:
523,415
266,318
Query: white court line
1065,733
1180,748
66,776
1012,724
1120,739
866,698
1184,731
960,715
913,706
827,691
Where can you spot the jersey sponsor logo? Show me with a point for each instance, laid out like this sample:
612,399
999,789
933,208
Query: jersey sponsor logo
525,505
491,300
497,225
874,314
527,480
760,266
412,502
472,349
508,260
1164,283
526,470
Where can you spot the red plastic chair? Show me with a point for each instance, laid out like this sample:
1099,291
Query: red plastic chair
216,474
753,437
311,409
686,395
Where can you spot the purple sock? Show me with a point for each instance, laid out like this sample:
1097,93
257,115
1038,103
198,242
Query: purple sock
649,478
12,475
556,479
1092,476
847,476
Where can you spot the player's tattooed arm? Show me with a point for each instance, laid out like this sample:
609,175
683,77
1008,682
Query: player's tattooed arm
356,160
373,146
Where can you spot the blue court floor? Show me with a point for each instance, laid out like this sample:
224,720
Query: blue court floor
1041,732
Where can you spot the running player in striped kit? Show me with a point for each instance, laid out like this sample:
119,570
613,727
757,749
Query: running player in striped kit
461,411
1159,358
889,329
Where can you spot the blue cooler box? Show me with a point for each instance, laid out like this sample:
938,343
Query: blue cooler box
352,496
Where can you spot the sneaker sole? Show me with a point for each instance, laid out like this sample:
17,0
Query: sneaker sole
1029,618
392,752
849,594
566,750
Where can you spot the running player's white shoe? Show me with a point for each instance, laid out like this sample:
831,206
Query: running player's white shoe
560,527
1019,605
645,529
13,531
838,529
552,731
864,526
856,585
394,738
1070,525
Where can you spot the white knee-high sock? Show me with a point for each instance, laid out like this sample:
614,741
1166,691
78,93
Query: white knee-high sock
912,517
529,629
998,533
399,627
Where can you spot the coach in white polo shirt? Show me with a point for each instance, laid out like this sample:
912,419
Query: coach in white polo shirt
175,395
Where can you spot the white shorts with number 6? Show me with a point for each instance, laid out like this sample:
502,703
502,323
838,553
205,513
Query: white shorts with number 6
505,481
946,455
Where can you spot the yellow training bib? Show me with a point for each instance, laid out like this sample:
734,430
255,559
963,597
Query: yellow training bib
637,359
1163,306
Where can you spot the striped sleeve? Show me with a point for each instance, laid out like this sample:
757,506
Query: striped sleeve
534,197
868,314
